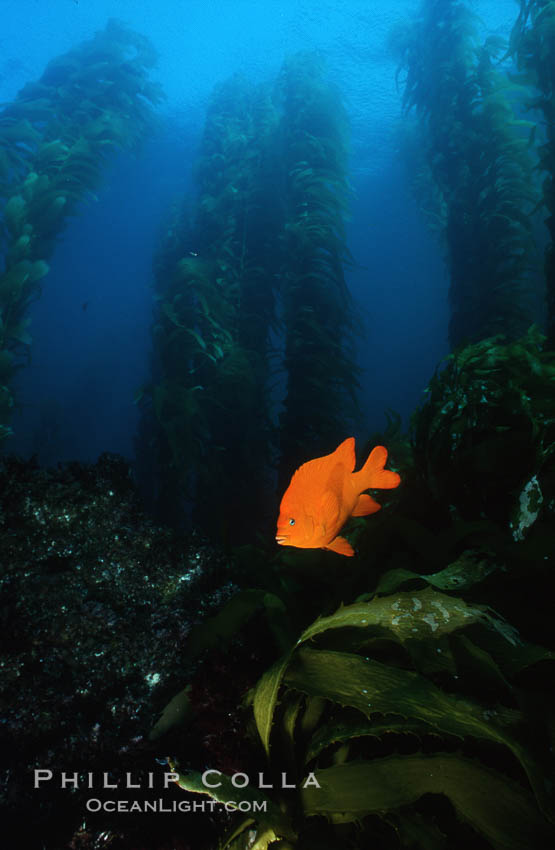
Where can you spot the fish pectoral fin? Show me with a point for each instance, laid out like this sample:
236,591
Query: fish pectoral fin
329,509
341,546
365,505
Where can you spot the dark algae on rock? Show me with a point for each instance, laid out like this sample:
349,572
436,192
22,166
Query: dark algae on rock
96,606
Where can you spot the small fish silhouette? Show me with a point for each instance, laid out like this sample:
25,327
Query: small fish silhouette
325,492
84,305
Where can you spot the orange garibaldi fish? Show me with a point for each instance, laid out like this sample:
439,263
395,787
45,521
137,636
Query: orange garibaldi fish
325,492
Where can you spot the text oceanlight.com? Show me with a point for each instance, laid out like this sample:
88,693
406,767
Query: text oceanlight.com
172,806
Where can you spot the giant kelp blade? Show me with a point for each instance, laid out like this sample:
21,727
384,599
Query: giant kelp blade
349,680
461,574
408,616
372,687
253,839
266,696
294,704
493,805
178,711
512,660
340,733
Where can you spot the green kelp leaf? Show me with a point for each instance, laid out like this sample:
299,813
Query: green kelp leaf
30,185
178,711
338,733
255,839
479,663
6,401
266,697
372,687
13,280
461,574
432,656
21,132
5,432
50,154
169,311
7,365
38,270
236,840
408,616
20,248
294,703
493,805
200,341
513,659
315,707
269,816
20,333
392,580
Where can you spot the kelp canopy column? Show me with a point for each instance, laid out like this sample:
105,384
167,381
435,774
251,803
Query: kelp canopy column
478,154
533,45
216,311
55,140
317,307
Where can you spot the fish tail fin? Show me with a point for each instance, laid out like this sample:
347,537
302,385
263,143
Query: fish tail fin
373,475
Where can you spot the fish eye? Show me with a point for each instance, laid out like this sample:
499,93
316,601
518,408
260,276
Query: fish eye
291,522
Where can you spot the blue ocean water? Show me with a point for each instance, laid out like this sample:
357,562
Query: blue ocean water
91,325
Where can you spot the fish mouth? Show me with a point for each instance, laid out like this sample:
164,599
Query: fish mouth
281,540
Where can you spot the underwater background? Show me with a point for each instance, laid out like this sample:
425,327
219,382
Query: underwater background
232,235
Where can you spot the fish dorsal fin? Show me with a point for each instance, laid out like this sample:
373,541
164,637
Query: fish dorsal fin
345,454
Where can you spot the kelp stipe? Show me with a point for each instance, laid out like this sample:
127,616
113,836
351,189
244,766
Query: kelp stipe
317,306
216,294
533,47
56,139
478,155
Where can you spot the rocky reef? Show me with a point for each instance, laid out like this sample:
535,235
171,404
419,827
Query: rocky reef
96,605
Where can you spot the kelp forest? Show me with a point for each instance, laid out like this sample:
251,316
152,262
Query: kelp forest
55,139
250,284
399,698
